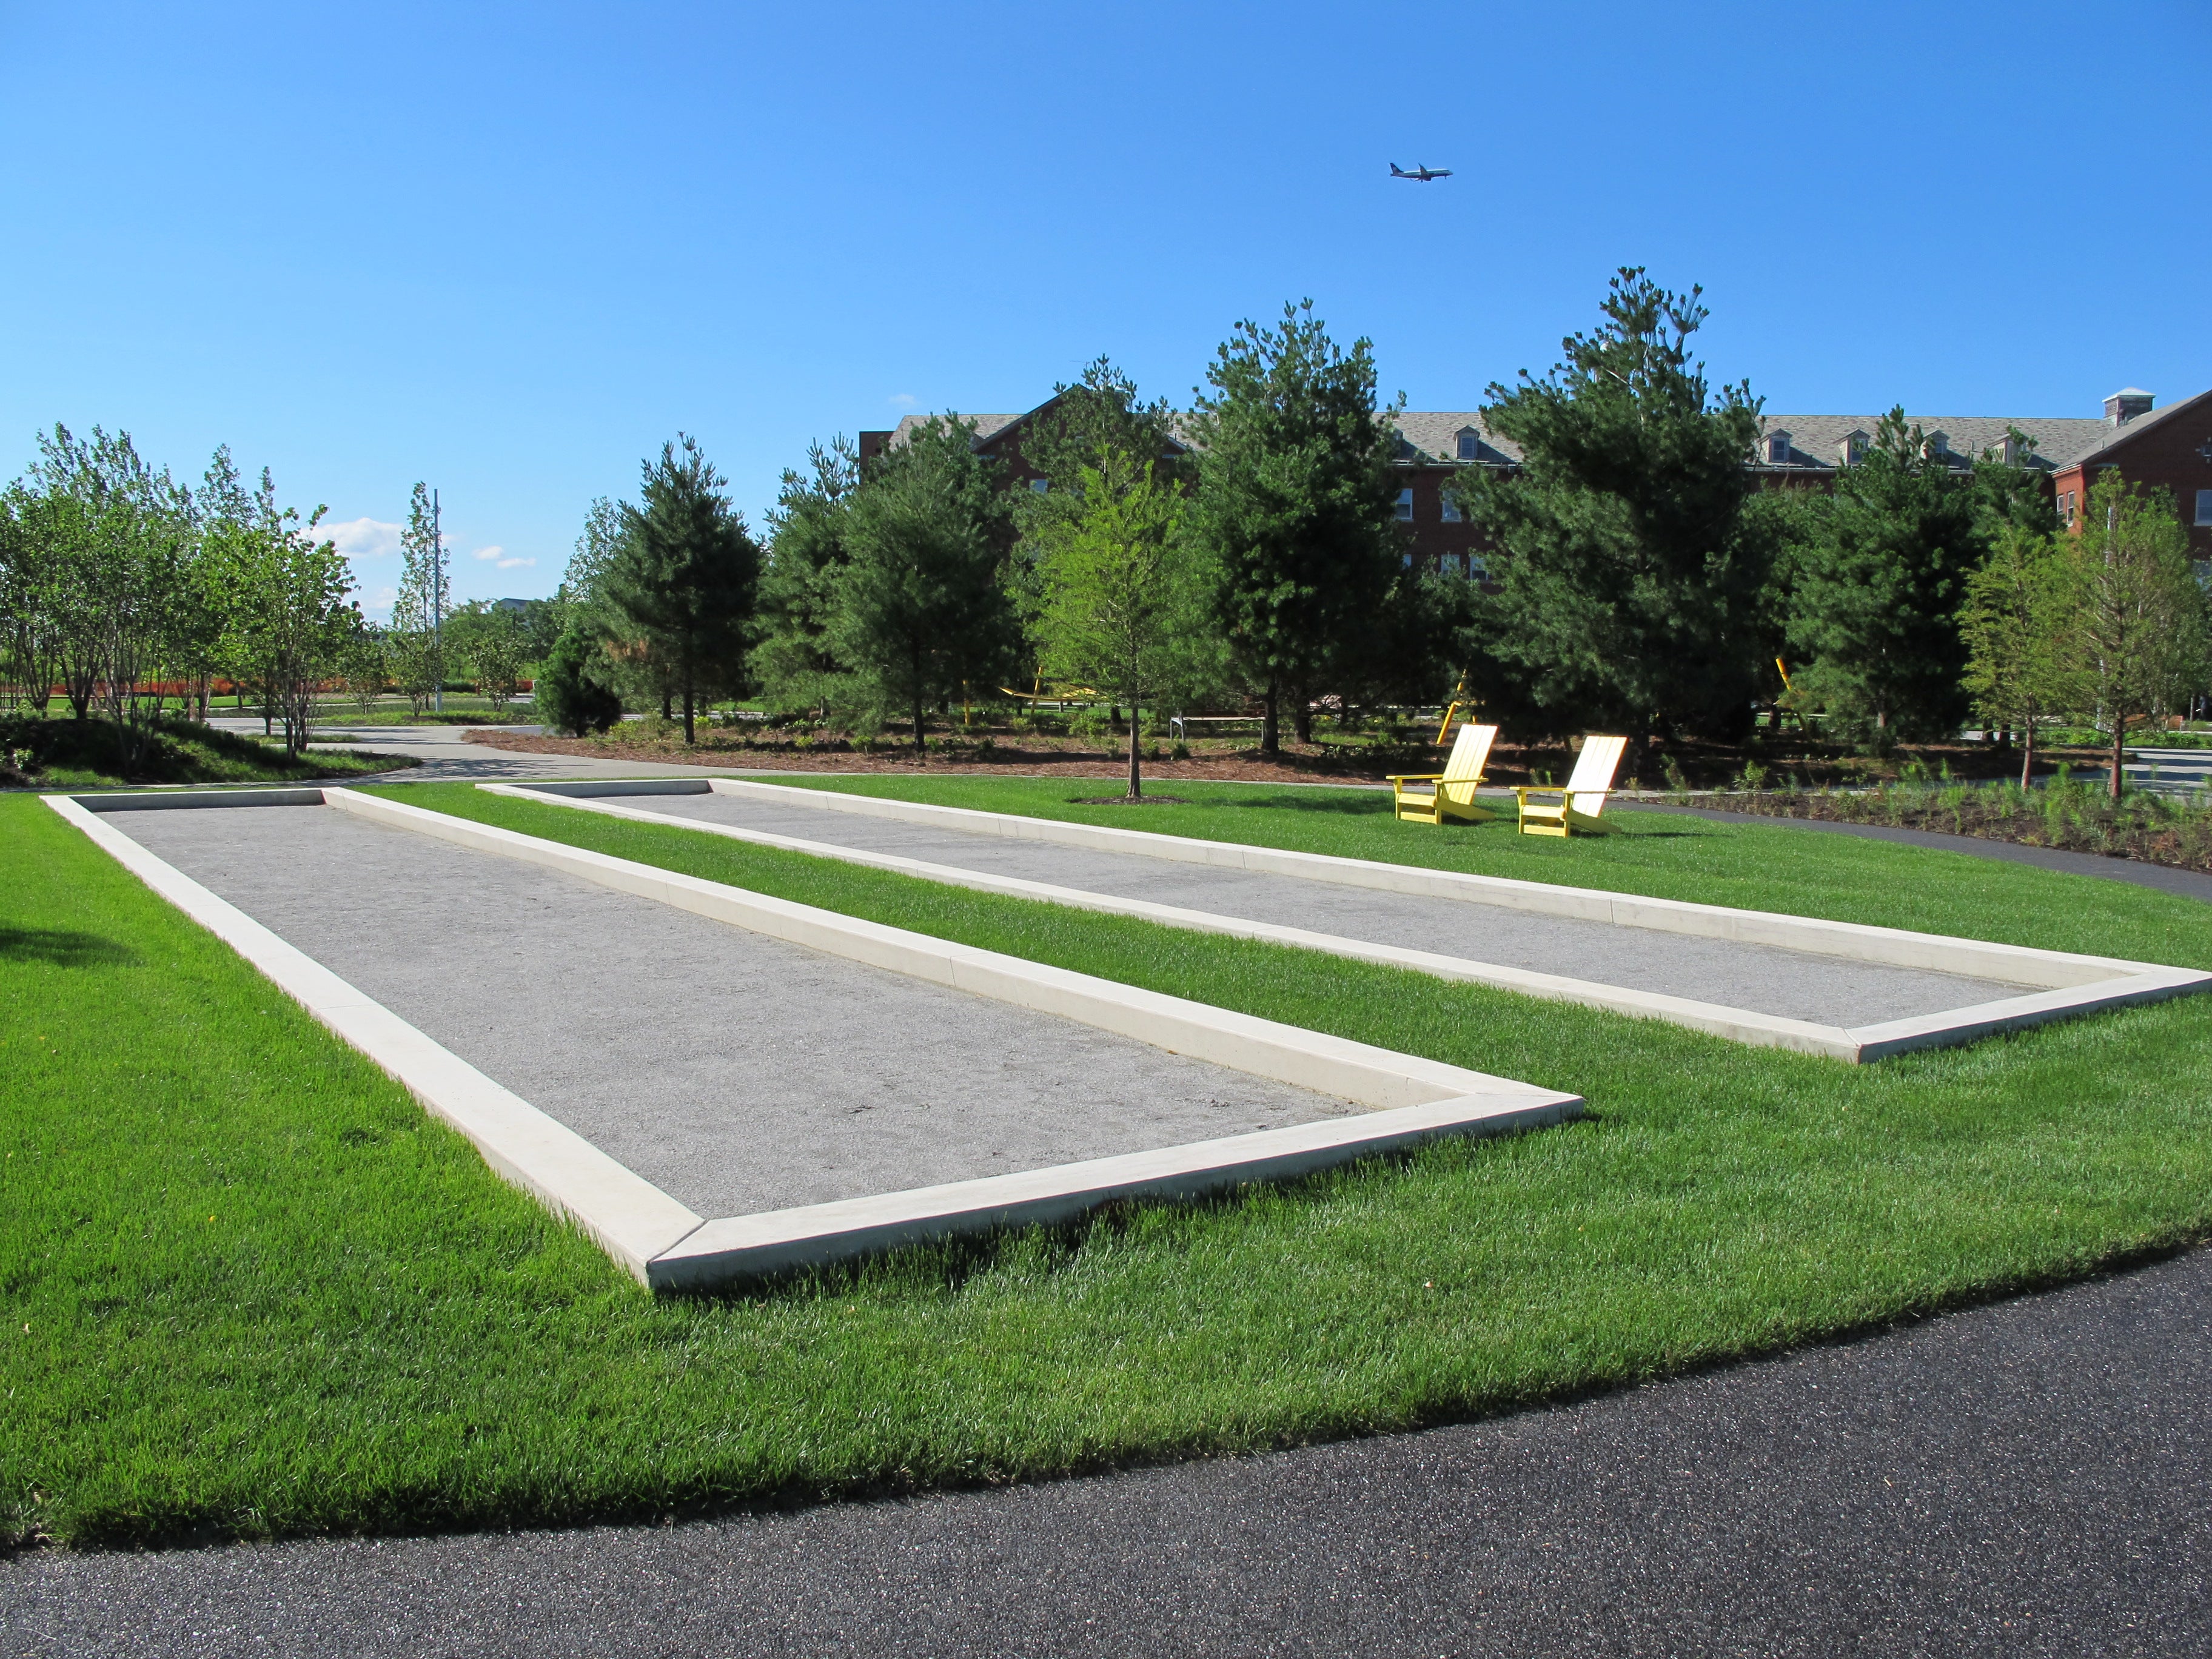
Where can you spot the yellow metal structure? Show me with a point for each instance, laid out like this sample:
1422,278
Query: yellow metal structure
1449,796
1577,806
1460,700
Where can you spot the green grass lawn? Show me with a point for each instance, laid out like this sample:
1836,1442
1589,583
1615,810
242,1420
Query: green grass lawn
246,1287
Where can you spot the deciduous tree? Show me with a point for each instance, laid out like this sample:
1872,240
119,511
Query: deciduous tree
2014,624
1118,601
2137,634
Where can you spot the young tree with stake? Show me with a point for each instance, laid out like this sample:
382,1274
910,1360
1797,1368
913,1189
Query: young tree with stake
1117,600
2137,634
2013,624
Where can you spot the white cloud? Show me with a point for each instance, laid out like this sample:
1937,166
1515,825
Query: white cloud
499,559
364,538
489,552
902,400
511,564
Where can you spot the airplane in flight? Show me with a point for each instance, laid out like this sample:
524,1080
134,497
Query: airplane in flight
1422,173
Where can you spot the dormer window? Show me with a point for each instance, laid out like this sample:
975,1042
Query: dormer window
1850,448
1470,444
1936,446
1778,449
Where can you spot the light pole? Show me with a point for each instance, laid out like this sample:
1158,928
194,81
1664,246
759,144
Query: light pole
437,606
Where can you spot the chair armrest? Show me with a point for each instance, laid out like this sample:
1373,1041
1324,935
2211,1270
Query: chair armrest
1525,790
1416,777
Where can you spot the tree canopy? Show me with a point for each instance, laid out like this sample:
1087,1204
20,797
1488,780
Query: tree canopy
685,576
1296,504
1630,571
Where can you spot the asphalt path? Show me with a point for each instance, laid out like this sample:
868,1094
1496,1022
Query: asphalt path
2028,1478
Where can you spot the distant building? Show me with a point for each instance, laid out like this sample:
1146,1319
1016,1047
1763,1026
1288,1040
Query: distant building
2170,448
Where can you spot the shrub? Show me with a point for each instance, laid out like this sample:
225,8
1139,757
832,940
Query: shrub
570,695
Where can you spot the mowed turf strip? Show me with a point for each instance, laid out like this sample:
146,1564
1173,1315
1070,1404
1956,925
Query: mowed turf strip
249,1288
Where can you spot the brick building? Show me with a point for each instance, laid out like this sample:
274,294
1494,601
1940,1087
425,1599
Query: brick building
2170,448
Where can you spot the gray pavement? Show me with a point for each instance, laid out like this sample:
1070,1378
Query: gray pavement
1793,984
2029,1478
736,1073
446,756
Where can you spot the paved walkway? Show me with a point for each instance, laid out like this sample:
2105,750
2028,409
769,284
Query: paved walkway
1732,973
2022,1479
447,757
734,1071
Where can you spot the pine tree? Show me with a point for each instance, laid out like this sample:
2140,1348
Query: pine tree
686,575
1296,504
795,661
921,611
1631,574
1876,586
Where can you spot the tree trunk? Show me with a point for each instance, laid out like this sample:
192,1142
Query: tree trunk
687,708
1136,780
2027,753
1301,718
2119,749
1270,734
917,728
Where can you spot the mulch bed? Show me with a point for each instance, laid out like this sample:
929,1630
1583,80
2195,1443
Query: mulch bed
1308,764
2074,820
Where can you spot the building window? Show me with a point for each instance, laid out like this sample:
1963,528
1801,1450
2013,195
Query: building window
1405,507
1476,569
1451,507
1778,450
2204,507
1470,445
1041,486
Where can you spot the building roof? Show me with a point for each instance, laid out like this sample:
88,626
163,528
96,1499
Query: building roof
2114,437
1431,436
986,426
1435,434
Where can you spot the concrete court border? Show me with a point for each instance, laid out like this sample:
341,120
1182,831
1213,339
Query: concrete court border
667,1247
2075,984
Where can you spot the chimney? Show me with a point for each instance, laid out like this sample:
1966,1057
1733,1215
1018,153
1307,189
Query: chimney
2124,405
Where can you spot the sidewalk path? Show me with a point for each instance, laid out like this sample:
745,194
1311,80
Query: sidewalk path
2026,1478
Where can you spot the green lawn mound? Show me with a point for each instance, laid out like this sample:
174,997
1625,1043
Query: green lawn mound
86,753
248,1287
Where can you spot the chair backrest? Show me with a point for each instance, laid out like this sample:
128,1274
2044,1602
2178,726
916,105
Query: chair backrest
1593,776
1470,754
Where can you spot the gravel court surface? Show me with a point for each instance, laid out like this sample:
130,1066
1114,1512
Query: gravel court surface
2026,1478
1793,984
736,1073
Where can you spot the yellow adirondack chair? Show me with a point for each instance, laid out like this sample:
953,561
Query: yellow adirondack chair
1577,806
1449,796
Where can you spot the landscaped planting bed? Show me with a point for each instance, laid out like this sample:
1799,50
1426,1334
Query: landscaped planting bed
64,753
248,1288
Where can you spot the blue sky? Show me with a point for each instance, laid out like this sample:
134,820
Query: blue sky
510,250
